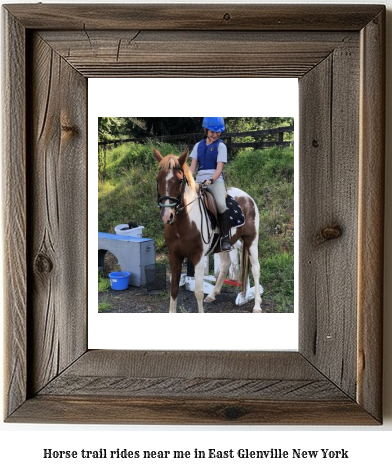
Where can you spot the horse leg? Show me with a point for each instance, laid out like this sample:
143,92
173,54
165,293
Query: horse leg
199,284
224,268
254,260
175,268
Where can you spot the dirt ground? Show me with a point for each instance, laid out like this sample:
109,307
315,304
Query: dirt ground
138,300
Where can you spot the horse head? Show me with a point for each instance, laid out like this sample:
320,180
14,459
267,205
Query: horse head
173,176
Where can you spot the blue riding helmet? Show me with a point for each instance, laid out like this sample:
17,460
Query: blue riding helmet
215,124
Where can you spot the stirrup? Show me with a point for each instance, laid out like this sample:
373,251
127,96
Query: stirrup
225,244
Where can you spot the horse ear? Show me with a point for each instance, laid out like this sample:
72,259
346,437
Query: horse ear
158,156
183,158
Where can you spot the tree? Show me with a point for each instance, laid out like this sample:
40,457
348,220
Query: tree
108,128
157,126
111,128
244,124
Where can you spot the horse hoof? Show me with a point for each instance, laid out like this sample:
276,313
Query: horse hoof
208,299
257,310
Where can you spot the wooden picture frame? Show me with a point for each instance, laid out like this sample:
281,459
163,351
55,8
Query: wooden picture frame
338,54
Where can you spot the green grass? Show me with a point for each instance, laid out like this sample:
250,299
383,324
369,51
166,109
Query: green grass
128,192
104,307
103,283
277,277
268,176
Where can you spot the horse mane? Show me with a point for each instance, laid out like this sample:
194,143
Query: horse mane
171,161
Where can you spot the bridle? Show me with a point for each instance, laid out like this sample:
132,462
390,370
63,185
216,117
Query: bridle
176,200
177,203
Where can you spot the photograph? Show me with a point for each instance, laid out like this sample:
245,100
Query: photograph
196,214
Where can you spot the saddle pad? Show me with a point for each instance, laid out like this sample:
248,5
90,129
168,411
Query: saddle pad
237,218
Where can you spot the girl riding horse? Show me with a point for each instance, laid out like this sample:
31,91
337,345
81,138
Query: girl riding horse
211,155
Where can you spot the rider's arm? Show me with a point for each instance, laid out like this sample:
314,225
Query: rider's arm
218,171
193,165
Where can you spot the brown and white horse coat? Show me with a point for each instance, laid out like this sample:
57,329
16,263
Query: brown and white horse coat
188,232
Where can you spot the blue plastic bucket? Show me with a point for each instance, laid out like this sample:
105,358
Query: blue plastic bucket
119,280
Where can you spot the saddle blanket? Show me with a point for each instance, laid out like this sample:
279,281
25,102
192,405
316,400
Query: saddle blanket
237,218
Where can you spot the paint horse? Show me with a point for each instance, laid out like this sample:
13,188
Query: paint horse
189,233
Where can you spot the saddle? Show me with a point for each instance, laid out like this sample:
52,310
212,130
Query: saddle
237,218
209,203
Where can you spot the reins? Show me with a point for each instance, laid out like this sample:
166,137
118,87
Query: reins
203,209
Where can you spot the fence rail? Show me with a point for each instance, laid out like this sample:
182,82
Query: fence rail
192,138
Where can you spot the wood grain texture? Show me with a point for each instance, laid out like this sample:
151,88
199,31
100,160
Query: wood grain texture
155,411
14,211
335,378
192,387
371,215
166,53
205,374
209,364
329,98
201,387
57,213
192,17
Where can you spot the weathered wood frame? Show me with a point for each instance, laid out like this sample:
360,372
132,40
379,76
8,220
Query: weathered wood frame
337,52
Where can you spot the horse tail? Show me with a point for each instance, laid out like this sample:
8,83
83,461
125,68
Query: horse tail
244,267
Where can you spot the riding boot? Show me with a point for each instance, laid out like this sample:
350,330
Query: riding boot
225,226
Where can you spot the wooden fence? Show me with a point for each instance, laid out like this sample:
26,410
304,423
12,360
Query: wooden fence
231,139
